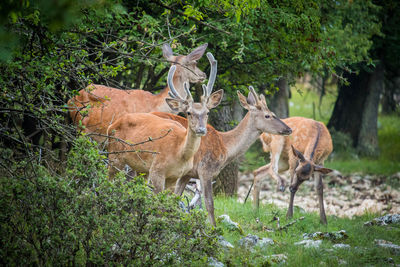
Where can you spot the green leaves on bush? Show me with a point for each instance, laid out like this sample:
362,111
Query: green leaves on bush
84,218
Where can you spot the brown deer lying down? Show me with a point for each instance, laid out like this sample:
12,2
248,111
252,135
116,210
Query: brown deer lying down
177,149
107,104
302,153
217,149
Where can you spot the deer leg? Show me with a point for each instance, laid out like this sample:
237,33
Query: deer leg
259,174
319,186
157,180
181,184
289,213
208,199
114,166
276,152
293,185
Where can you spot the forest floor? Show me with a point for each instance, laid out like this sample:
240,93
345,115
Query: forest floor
265,237
347,196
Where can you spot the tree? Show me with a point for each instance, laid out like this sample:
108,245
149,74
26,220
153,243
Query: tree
356,108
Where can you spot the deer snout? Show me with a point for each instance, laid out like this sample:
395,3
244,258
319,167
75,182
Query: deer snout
287,131
201,76
201,131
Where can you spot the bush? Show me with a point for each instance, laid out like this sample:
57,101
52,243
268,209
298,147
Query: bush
84,218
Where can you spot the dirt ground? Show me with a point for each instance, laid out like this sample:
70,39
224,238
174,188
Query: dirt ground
344,197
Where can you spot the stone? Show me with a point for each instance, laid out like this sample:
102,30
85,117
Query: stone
224,243
395,249
265,242
214,263
332,236
341,246
308,243
249,241
232,226
384,220
277,258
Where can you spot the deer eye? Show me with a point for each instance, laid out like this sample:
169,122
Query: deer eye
189,113
267,116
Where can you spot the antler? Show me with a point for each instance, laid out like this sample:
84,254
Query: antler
257,98
213,74
172,91
260,98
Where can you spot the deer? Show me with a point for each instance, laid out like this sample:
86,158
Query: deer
105,104
175,151
302,153
217,149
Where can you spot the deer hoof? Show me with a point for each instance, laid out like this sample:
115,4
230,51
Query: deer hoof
282,188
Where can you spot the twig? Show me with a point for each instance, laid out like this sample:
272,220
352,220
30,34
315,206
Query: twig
248,193
130,144
289,224
191,18
125,151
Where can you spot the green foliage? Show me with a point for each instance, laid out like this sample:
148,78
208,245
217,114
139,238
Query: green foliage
84,218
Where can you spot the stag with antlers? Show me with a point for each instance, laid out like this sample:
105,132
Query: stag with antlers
103,105
175,152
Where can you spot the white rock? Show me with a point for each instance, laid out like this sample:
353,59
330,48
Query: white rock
277,258
341,246
249,241
231,225
224,243
214,263
265,242
309,243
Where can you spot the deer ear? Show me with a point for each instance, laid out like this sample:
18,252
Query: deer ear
198,52
167,51
298,154
318,168
243,100
176,104
215,99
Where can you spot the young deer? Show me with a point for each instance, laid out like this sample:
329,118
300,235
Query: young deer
107,104
217,149
302,153
177,149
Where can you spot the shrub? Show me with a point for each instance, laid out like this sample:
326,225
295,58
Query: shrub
84,218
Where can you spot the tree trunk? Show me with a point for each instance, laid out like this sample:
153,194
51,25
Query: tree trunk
392,88
279,102
356,109
226,181
368,139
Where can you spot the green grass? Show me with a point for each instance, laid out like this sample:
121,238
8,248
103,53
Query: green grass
305,103
363,251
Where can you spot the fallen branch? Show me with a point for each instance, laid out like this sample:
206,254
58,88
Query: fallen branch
285,227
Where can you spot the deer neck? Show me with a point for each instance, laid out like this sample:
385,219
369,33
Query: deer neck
191,145
238,140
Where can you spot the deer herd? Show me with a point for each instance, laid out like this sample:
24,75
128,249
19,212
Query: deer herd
144,132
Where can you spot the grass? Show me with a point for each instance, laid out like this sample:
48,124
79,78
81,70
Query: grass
363,250
305,103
